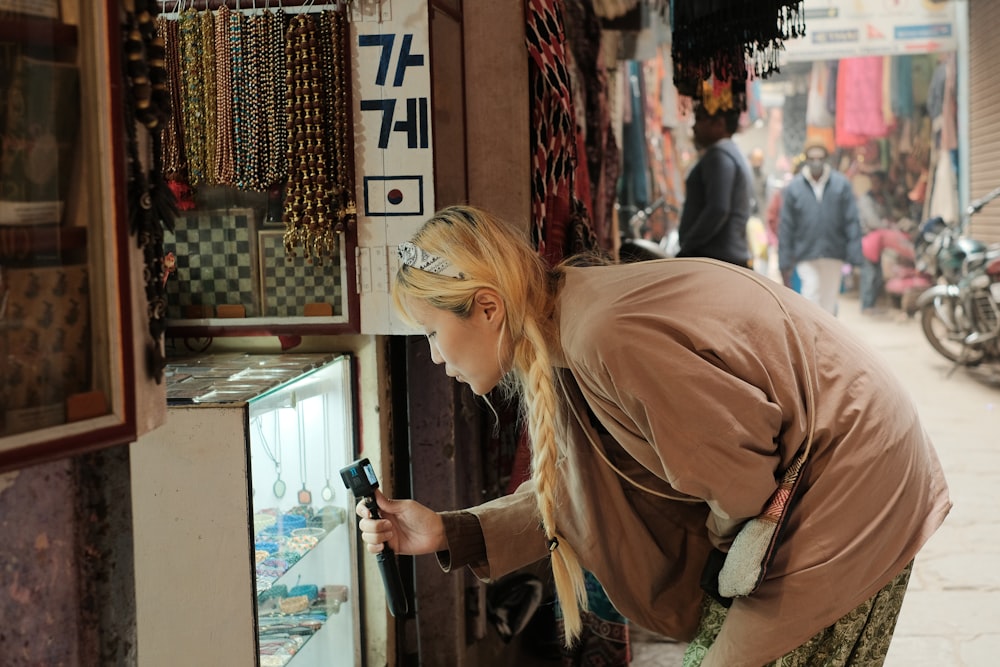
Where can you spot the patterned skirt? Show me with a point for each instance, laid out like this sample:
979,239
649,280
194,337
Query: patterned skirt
860,638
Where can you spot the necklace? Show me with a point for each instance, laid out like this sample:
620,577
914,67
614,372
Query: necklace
224,168
305,497
275,455
327,490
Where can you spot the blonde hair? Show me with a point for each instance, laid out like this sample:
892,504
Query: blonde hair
490,253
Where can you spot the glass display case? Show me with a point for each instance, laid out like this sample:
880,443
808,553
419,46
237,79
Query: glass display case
68,339
244,533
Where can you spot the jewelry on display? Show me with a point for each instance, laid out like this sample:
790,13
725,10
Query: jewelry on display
305,497
275,456
327,492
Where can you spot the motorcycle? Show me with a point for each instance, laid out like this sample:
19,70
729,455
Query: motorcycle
960,313
635,248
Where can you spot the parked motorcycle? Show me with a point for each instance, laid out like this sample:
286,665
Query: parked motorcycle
636,248
960,313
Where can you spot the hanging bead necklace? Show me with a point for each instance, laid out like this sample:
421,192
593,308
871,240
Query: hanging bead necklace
307,215
193,100
224,169
209,91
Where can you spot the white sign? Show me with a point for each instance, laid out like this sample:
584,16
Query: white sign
846,28
393,142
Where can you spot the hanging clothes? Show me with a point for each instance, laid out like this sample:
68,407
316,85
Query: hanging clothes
819,120
859,101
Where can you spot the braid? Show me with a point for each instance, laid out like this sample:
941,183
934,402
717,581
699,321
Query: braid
540,401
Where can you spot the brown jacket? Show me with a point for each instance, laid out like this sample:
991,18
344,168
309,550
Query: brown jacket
692,369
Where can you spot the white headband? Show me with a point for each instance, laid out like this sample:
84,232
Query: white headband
413,255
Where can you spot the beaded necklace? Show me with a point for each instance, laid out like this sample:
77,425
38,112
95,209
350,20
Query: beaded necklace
224,166
347,211
209,92
193,101
173,138
248,158
276,162
307,210
239,84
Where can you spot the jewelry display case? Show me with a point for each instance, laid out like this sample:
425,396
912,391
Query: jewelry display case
244,533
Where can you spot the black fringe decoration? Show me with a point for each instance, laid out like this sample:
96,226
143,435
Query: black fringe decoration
151,204
730,39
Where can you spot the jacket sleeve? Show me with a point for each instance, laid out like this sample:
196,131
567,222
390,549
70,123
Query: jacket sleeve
511,531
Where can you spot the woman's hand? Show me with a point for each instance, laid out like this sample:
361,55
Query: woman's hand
408,527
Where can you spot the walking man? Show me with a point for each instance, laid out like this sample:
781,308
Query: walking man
820,230
718,192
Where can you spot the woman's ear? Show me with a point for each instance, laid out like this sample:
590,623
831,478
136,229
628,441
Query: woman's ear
489,303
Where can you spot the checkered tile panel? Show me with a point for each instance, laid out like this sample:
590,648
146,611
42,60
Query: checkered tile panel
214,262
292,282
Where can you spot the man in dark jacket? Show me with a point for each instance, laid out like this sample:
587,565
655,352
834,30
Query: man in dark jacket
820,230
718,193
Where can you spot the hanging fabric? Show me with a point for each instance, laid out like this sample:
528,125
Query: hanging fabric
717,38
560,223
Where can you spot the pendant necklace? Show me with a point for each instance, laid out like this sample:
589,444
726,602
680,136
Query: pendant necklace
327,492
275,456
305,497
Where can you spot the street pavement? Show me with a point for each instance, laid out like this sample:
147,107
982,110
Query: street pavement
951,614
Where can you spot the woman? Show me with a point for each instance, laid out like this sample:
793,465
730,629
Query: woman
664,401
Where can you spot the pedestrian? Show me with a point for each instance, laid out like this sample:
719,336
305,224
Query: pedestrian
718,192
819,230
875,214
756,161
652,461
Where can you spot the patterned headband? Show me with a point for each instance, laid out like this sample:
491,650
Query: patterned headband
413,255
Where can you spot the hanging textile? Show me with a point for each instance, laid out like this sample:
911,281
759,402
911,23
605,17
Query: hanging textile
560,224
717,38
600,151
820,120
633,193
859,114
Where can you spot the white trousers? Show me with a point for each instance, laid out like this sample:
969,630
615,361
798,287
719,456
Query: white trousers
821,280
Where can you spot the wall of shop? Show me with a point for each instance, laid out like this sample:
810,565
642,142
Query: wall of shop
984,115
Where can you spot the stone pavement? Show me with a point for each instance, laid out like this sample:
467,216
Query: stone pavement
951,615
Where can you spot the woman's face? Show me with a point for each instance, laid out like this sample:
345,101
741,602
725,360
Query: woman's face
469,348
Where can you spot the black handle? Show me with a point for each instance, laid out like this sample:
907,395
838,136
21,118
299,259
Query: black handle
395,598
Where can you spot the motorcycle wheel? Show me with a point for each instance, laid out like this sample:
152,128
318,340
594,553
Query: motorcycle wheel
946,344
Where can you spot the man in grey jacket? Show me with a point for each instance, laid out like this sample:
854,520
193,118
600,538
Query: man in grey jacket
820,230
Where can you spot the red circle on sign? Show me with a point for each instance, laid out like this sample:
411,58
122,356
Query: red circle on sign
395,196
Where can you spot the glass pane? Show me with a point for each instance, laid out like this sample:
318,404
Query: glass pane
49,297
